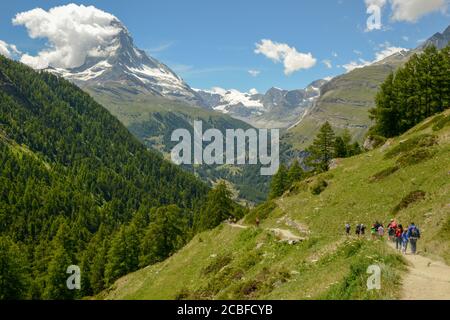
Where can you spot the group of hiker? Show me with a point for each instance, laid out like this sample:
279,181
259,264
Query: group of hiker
396,233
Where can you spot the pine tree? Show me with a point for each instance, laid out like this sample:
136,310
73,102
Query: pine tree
340,148
13,274
295,173
164,235
219,206
56,281
322,149
280,182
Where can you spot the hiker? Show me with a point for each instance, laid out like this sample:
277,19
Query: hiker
404,240
391,229
413,236
398,237
358,230
257,222
373,231
380,231
347,228
363,229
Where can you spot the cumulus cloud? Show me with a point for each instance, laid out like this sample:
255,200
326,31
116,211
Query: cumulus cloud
386,51
74,32
253,91
378,3
8,50
409,10
413,10
327,63
254,73
289,56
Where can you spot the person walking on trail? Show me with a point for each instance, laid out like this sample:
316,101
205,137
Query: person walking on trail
392,226
363,229
413,236
398,237
257,222
358,230
347,228
373,231
404,240
380,231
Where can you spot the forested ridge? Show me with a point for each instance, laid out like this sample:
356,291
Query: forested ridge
77,188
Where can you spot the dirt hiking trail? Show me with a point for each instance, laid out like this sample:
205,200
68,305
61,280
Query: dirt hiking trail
426,279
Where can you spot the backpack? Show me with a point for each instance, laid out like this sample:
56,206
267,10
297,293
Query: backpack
415,232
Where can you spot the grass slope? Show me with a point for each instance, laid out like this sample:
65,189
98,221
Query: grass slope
251,263
345,102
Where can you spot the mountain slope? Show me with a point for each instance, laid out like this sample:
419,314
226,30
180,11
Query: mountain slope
72,177
128,69
277,108
152,101
153,119
245,262
346,99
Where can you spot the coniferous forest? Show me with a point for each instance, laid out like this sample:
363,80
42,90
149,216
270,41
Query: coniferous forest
76,188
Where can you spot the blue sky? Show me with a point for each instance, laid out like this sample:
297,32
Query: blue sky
212,43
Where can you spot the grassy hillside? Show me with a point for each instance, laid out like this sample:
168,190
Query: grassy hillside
345,102
407,178
153,119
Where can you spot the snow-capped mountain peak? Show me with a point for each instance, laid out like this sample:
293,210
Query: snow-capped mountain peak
131,68
249,105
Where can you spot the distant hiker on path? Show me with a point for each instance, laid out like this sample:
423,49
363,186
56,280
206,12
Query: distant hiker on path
392,226
380,231
413,236
398,237
363,229
358,230
347,228
404,240
373,231
257,222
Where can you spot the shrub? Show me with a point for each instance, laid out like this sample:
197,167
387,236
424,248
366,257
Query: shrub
262,212
319,186
441,123
384,173
420,141
411,198
218,263
414,157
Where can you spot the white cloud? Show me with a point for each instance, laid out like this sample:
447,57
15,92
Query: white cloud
352,65
378,3
289,56
253,91
386,51
413,10
74,32
8,50
327,63
409,10
254,73
334,54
